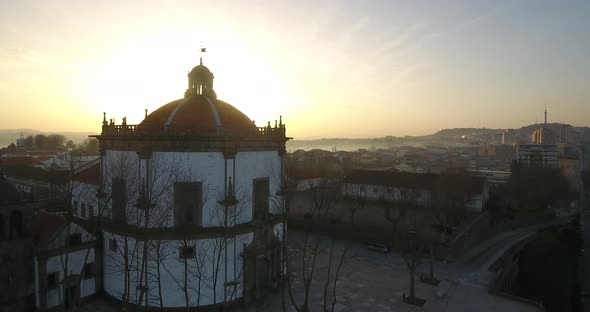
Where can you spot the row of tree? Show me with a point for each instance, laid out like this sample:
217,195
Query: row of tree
59,142
44,142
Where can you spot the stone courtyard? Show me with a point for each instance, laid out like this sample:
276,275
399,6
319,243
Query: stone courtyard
372,281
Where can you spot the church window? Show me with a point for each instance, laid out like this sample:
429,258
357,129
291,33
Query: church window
89,270
83,210
261,198
90,211
52,280
113,245
118,200
187,203
75,208
186,252
75,239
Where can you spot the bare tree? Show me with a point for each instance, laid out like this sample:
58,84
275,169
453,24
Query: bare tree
412,258
357,200
324,194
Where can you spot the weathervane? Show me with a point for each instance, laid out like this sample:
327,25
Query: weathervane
203,50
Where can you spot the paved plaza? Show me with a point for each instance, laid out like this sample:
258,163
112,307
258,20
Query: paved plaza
372,281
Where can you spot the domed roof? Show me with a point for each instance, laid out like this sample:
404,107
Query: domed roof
201,70
198,115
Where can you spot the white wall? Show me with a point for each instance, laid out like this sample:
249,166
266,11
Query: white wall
84,193
388,193
205,167
418,197
164,169
75,265
172,270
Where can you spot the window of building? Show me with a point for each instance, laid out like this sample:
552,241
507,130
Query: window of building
118,197
89,270
261,190
113,245
186,252
90,211
75,239
52,280
83,210
75,208
187,203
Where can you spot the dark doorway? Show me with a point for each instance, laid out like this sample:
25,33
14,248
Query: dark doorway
16,224
263,276
72,297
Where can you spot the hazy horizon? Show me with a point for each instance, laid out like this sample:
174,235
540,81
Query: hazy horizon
333,69
28,131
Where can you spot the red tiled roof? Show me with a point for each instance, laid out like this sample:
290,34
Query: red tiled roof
195,115
89,173
10,161
46,227
410,180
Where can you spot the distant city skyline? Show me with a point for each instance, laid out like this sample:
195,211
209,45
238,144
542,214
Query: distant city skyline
331,69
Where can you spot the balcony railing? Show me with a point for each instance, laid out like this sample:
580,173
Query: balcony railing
271,131
118,129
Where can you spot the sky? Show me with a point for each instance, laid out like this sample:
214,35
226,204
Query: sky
330,68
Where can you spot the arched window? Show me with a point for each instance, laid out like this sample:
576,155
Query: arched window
16,224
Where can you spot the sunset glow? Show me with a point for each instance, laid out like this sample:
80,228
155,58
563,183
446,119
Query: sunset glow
387,68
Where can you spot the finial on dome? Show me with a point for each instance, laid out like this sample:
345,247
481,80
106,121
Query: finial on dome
200,80
203,50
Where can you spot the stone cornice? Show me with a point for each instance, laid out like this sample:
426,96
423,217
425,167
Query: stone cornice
154,143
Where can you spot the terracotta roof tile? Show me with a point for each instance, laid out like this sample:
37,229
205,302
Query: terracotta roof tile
195,115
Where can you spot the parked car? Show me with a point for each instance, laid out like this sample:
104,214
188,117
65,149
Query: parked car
377,247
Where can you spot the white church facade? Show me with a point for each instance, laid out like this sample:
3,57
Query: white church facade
183,210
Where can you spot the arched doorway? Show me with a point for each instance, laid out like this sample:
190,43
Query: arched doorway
16,224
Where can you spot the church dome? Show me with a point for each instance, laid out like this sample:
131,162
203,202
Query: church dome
201,71
198,115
